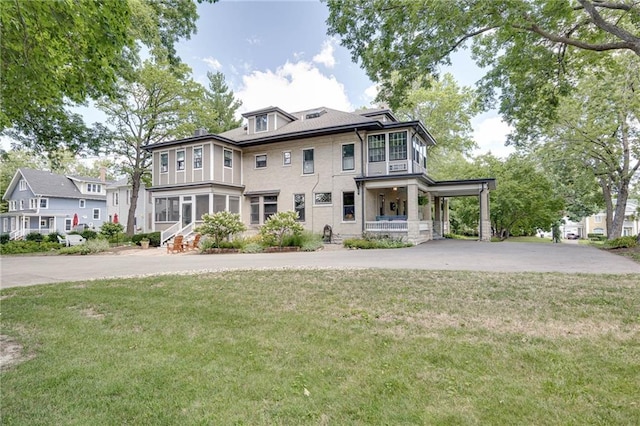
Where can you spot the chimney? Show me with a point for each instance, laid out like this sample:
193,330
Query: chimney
103,174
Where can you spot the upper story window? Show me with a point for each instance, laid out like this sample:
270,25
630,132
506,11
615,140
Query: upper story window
13,205
23,185
82,203
21,204
598,219
348,158
376,145
228,158
307,161
398,146
197,158
115,198
419,152
286,158
44,203
261,161
164,162
261,123
94,187
96,214
33,203
180,160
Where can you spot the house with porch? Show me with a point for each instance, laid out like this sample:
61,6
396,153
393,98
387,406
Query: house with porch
597,223
362,171
44,202
119,202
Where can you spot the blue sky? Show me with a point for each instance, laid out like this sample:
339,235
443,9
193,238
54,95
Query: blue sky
278,53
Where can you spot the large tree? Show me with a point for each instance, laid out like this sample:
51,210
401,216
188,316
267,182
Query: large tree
157,106
59,54
222,104
598,133
530,48
524,200
446,110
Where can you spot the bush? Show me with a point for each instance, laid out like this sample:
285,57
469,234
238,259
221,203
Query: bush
110,230
97,245
220,226
34,236
4,238
596,237
307,241
253,248
52,237
19,247
153,237
87,234
280,226
622,242
369,241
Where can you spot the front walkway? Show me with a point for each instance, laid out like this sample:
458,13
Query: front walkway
433,255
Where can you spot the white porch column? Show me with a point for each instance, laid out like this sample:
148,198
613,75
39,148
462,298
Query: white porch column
437,216
485,221
413,219
445,216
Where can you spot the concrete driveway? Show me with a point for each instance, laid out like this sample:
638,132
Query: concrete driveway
434,255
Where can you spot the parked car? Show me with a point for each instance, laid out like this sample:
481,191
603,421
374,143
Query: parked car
572,236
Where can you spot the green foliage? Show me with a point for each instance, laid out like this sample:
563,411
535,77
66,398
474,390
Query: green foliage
533,50
34,236
52,237
19,247
153,237
88,247
221,226
219,106
596,237
621,242
253,248
88,234
4,238
373,241
110,230
280,225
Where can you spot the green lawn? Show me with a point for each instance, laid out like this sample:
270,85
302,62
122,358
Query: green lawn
326,347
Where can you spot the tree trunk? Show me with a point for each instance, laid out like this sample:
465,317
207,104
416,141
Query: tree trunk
136,177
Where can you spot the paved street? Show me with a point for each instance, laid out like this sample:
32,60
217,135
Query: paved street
434,255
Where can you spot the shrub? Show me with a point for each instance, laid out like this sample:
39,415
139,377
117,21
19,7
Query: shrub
220,226
19,247
4,238
88,234
110,230
97,245
369,241
153,237
34,236
279,226
52,237
622,242
253,248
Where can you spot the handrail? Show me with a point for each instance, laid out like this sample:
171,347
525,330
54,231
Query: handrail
174,230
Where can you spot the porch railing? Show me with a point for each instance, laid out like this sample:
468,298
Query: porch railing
21,233
387,226
174,230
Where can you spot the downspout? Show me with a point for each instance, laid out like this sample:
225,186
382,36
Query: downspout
361,174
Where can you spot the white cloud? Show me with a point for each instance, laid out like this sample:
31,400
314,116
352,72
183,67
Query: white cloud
212,62
325,57
490,133
253,41
370,93
292,87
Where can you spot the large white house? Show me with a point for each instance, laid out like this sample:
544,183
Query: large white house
357,172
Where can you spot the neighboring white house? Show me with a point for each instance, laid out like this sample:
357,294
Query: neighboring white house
119,200
356,172
44,202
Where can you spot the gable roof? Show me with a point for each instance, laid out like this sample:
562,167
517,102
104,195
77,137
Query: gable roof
48,184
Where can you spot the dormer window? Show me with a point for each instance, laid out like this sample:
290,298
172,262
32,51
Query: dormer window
23,185
94,187
261,123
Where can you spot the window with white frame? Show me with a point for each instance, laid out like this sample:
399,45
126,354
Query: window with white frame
307,161
234,204
261,161
286,158
376,144
254,203
96,214
164,162
94,187
598,219
322,198
13,205
398,146
115,198
348,206
82,203
67,225
228,158
33,203
197,158
43,223
21,204
298,206
23,185
270,206
44,203
261,123
348,157
167,209
180,160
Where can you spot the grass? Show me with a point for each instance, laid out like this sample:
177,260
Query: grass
326,347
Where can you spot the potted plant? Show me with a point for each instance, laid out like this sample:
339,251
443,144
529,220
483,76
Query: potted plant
144,243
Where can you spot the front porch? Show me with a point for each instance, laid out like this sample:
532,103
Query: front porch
415,208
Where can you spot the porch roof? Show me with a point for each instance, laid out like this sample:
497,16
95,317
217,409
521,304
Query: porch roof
444,188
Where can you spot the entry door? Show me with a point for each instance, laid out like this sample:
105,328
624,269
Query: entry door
186,214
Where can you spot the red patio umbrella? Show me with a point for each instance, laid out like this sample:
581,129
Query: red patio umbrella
115,218
75,219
